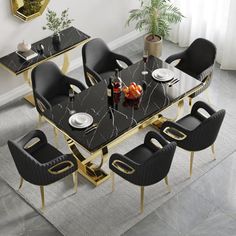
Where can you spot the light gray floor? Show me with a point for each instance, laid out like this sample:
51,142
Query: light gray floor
206,207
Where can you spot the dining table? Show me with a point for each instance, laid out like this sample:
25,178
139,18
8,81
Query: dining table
116,120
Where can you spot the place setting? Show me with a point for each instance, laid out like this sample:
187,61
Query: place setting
165,75
83,121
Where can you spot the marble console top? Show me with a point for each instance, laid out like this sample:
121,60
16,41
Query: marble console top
116,118
70,38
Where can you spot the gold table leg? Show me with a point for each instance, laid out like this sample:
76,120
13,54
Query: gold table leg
90,171
66,63
29,98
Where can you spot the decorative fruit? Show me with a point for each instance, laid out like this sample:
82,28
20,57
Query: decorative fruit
134,91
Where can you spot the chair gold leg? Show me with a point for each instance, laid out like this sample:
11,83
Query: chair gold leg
180,109
112,181
21,183
167,183
39,121
208,96
142,200
42,197
75,180
213,151
55,137
191,163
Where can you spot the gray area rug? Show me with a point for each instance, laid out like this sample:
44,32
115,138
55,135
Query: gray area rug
98,211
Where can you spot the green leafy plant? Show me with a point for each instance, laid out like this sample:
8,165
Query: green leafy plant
155,17
57,23
30,7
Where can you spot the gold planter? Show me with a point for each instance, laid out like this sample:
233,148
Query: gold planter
154,46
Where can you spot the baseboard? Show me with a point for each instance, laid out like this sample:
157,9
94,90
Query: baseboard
75,63
15,93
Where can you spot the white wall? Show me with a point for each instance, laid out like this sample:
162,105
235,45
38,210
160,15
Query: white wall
98,18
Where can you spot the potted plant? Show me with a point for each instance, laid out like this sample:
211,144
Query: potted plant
57,23
155,17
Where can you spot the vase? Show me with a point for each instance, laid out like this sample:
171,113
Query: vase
56,38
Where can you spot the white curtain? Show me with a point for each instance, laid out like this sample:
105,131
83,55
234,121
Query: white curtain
214,20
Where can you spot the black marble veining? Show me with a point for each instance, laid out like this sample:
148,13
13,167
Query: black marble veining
116,118
70,38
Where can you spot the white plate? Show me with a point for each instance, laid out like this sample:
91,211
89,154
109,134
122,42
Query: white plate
80,120
163,74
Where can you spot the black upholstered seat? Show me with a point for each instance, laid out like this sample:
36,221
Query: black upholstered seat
99,61
197,60
51,86
146,164
40,163
195,131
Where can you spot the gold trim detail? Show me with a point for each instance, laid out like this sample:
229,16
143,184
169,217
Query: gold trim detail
168,132
118,167
54,172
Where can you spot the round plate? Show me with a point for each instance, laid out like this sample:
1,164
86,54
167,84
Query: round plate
80,120
163,74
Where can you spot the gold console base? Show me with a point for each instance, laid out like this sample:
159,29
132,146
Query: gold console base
30,98
96,177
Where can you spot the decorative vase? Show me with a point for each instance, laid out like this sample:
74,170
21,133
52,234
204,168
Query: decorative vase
23,47
56,38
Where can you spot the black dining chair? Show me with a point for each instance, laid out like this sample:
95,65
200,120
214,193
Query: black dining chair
51,86
195,131
100,62
146,164
197,61
40,163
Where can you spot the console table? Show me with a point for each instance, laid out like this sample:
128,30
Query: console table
70,39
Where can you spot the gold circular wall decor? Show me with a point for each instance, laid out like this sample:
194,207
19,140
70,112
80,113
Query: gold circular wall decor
27,10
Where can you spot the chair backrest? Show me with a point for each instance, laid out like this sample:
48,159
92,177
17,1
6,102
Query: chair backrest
48,81
157,167
97,56
27,166
205,134
198,56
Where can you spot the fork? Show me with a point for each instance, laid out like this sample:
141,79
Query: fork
173,81
91,128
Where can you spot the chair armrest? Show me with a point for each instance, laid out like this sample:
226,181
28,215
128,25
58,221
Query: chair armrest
122,164
75,83
92,76
175,57
41,102
33,134
125,59
150,135
61,164
207,72
174,130
202,105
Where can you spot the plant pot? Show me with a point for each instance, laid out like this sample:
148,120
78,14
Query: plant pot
56,39
153,45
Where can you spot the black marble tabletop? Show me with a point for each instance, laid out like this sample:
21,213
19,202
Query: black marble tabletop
70,38
116,118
